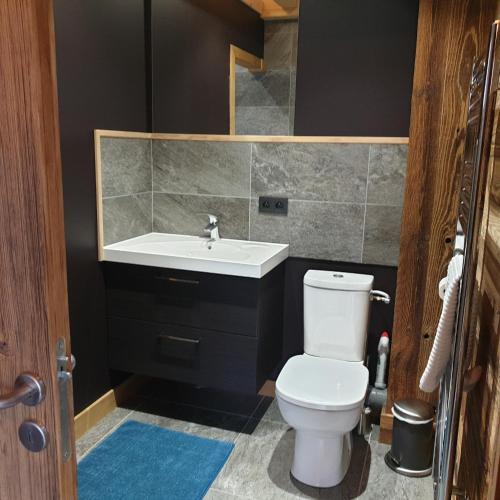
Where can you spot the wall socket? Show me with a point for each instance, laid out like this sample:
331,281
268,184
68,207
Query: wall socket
272,205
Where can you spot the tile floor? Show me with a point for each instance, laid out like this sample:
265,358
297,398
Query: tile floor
259,465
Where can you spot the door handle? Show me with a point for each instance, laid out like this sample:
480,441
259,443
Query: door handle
29,390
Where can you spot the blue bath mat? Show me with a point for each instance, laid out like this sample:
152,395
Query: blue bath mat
146,462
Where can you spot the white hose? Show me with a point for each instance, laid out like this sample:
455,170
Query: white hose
441,348
383,351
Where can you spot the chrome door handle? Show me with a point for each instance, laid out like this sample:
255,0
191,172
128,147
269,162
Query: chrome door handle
29,390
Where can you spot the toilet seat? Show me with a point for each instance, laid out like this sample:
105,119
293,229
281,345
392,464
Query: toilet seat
322,383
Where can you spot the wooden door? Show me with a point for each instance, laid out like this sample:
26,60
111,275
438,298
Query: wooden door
33,297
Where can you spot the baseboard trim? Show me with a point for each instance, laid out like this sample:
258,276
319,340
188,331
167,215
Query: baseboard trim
386,422
95,412
268,389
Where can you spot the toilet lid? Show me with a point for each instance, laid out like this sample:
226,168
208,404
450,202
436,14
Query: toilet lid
322,383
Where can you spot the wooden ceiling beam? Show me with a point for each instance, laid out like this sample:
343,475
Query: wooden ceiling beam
275,9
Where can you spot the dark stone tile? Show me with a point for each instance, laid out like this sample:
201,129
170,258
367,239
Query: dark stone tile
125,217
199,167
381,482
183,214
268,227
295,47
387,173
269,410
270,88
278,43
322,172
317,230
330,231
100,431
156,411
382,235
260,466
283,26
204,397
352,483
125,166
293,88
240,69
267,120
214,494
191,420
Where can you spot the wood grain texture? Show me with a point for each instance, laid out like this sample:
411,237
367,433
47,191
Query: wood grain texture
94,413
280,9
251,138
256,5
33,309
275,9
268,389
450,36
98,199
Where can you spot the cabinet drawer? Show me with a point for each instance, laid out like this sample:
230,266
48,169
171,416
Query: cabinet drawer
186,354
200,300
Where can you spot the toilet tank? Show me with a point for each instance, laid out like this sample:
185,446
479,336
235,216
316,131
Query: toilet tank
336,311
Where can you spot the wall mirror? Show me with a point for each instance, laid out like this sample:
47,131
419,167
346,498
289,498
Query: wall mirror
274,67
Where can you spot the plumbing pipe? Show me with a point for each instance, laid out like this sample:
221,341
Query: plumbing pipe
376,398
383,351
365,424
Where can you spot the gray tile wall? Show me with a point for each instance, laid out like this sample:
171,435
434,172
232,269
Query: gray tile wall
126,175
344,199
265,102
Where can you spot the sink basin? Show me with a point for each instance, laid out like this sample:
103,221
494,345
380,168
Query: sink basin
191,253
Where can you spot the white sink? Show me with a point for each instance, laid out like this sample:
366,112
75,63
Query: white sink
173,251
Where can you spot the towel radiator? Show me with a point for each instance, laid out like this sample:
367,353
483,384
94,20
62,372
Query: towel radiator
474,166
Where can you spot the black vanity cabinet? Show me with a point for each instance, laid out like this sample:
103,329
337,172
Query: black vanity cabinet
206,329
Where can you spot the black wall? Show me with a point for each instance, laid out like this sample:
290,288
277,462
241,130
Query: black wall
190,58
381,317
355,67
100,48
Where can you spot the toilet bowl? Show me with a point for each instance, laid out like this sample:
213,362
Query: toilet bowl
321,392
322,399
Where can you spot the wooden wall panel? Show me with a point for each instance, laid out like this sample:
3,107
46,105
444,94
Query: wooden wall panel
450,35
33,297
275,9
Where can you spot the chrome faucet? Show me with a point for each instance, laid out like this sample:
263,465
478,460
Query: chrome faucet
212,228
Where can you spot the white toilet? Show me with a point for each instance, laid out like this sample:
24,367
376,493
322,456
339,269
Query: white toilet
321,393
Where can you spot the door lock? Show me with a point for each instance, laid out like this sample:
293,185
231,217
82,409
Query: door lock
65,365
33,436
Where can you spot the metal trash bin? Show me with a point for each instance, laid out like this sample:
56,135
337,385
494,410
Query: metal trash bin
412,438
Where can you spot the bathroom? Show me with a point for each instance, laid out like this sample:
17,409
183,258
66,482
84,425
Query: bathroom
252,206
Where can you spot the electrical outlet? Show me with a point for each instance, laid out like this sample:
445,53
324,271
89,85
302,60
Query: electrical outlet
271,205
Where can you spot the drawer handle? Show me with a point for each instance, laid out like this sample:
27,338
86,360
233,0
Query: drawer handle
178,280
180,339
